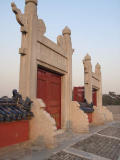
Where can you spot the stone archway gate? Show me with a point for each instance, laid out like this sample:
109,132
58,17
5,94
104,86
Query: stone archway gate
37,51
92,81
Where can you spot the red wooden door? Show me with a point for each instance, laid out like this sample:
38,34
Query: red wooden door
78,94
49,89
94,95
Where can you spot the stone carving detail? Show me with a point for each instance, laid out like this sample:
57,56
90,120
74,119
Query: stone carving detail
22,20
87,69
66,30
19,16
61,42
41,27
87,63
98,69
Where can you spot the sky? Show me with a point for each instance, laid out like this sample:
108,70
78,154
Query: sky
95,27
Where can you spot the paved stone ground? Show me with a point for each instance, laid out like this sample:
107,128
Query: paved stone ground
65,156
111,131
101,143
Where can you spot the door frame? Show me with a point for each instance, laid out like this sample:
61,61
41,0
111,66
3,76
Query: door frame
65,99
54,72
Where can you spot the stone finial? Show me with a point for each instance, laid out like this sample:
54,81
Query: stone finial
87,57
33,1
66,30
98,66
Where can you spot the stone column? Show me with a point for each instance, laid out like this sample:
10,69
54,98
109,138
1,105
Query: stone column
68,77
28,66
88,78
31,7
99,91
31,64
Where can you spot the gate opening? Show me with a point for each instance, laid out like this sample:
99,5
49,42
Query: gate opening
49,90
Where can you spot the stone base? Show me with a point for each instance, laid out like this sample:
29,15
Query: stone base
42,125
78,119
101,115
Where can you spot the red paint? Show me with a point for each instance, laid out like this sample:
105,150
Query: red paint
89,117
95,97
78,94
13,132
49,89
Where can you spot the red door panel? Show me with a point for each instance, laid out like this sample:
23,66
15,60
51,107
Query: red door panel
78,94
49,89
94,97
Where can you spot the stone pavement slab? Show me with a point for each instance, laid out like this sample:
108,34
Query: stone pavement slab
100,145
86,155
62,155
111,131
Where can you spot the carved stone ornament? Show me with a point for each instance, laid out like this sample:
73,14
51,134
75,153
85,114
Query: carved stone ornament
19,15
61,41
87,57
66,30
41,27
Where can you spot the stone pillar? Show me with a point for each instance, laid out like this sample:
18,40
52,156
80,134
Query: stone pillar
68,77
28,66
99,91
88,78
31,7
31,68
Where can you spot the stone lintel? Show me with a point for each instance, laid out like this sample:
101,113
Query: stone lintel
53,46
51,67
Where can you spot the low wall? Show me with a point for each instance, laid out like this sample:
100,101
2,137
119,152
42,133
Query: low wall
13,132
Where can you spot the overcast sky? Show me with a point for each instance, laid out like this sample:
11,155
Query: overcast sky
95,26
